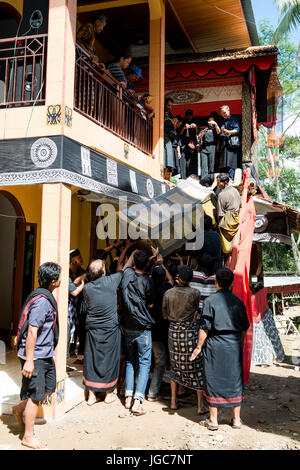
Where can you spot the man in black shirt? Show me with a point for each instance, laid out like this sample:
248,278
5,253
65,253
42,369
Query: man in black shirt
137,299
160,330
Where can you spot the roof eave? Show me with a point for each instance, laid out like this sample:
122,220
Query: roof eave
250,21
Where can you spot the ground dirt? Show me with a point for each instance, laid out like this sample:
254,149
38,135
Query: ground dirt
271,417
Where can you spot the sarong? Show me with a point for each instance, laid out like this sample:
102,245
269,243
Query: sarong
228,228
182,340
101,358
223,370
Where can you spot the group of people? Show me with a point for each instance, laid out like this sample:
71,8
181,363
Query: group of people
120,70
174,314
192,150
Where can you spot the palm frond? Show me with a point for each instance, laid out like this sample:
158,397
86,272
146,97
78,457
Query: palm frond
289,19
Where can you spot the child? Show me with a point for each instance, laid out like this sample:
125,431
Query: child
146,101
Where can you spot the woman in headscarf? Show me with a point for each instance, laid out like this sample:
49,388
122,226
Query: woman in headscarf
180,307
103,338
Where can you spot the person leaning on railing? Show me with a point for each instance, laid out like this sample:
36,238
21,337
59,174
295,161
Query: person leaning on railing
116,68
86,37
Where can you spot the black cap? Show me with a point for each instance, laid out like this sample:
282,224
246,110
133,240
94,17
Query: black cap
74,253
185,273
158,274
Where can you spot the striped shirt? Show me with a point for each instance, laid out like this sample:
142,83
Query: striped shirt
117,72
205,285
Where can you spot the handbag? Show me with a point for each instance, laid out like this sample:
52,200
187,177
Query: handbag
233,142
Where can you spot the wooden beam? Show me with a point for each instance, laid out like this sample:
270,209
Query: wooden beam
181,25
109,4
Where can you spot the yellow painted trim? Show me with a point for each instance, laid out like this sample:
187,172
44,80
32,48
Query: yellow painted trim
156,8
121,161
107,5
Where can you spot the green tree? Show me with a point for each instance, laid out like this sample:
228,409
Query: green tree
289,17
286,188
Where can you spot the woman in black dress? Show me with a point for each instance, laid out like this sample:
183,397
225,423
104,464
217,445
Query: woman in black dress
223,326
103,337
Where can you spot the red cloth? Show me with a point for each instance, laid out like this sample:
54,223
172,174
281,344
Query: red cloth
242,253
259,305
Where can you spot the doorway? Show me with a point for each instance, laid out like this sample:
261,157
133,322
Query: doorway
12,243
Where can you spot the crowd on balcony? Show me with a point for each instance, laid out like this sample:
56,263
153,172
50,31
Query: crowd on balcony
121,70
192,150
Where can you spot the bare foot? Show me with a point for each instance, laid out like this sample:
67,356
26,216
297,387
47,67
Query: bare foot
128,403
18,415
33,443
92,399
110,397
138,411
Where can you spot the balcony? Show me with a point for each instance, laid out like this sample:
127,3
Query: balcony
23,71
100,98
97,96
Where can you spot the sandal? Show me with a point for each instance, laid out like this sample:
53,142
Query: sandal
209,426
236,426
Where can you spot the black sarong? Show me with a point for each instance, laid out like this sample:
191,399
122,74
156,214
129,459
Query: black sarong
223,370
101,358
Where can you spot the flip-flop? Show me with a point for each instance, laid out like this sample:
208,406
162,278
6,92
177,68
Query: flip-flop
210,427
236,426
138,413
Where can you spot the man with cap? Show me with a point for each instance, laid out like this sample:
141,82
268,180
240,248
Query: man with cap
134,74
181,308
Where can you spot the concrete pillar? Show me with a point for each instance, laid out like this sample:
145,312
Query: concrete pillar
55,246
157,74
61,59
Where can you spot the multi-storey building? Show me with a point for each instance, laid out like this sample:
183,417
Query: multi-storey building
70,138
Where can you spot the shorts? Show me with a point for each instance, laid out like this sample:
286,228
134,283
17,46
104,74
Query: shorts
43,380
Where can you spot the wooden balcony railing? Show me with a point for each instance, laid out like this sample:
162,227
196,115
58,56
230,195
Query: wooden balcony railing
23,70
100,98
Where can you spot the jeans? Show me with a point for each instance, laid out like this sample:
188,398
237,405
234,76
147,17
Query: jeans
138,352
160,359
231,173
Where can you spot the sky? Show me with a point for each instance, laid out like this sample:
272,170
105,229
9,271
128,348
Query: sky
268,9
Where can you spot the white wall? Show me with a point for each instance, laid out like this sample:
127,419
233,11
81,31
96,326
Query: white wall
7,242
